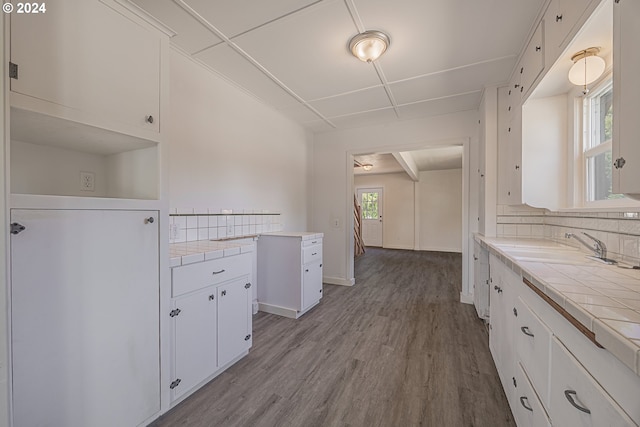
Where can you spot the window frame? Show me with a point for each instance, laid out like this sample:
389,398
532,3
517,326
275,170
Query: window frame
581,156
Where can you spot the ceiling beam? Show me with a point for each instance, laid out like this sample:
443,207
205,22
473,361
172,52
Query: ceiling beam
408,164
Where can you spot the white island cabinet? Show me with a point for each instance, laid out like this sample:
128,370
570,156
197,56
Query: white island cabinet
289,272
85,341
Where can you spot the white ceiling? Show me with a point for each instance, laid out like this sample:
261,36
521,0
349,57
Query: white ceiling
428,159
292,54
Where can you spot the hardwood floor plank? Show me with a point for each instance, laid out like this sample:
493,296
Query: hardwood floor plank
396,349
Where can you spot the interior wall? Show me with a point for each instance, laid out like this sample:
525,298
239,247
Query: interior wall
229,151
440,195
331,204
397,207
4,194
41,169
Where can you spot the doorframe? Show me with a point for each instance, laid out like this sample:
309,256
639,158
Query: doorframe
380,209
466,294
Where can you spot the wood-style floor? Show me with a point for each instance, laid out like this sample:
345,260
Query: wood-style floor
396,349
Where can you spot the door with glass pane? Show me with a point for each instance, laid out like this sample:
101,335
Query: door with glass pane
370,200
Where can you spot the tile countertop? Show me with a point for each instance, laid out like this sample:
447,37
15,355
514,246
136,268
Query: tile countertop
204,250
304,235
604,298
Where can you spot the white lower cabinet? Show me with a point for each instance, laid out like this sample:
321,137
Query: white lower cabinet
528,409
85,342
576,398
541,359
211,320
532,341
289,272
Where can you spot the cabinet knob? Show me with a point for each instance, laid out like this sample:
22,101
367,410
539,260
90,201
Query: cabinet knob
211,297
306,270
224,293
538,48
515,311
517,167
558,18
149,119
149,220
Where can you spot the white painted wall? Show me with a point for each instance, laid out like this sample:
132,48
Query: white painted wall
332,196
440,206
397,207
4,275
229,151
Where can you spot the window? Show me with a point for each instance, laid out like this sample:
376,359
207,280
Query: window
369,205
598,115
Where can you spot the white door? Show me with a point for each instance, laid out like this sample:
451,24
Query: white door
371,203
84,318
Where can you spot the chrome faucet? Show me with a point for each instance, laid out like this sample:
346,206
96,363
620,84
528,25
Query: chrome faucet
599,248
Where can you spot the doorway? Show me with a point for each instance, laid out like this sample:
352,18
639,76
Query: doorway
370,200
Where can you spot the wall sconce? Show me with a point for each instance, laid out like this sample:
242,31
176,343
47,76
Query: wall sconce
587,68
367,166
368,46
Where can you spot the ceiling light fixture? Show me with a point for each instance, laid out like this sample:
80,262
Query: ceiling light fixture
587,68
367,166
368,46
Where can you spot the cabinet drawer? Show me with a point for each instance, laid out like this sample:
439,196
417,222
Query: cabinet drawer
532,341
312,242
311,253
196,276
528,408
576,398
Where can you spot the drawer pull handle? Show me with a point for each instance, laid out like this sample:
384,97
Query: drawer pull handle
525,406
218,272
525,330
569,395
223,293
315,253
314,242
211,297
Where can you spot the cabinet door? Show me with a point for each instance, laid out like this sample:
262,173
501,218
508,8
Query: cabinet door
626,92
86,56
194,339
576,398
234,320
311,284
532,60
528,410
504,119
84,319
561,20
514,160
481,280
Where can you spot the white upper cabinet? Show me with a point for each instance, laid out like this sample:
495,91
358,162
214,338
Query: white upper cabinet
562,20
87,62
532,62
626,93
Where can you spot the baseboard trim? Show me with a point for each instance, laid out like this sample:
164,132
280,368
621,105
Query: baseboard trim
339,281
280,311
466,299
455,250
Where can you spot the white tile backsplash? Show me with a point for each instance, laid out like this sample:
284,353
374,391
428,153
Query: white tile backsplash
206,226
619,230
